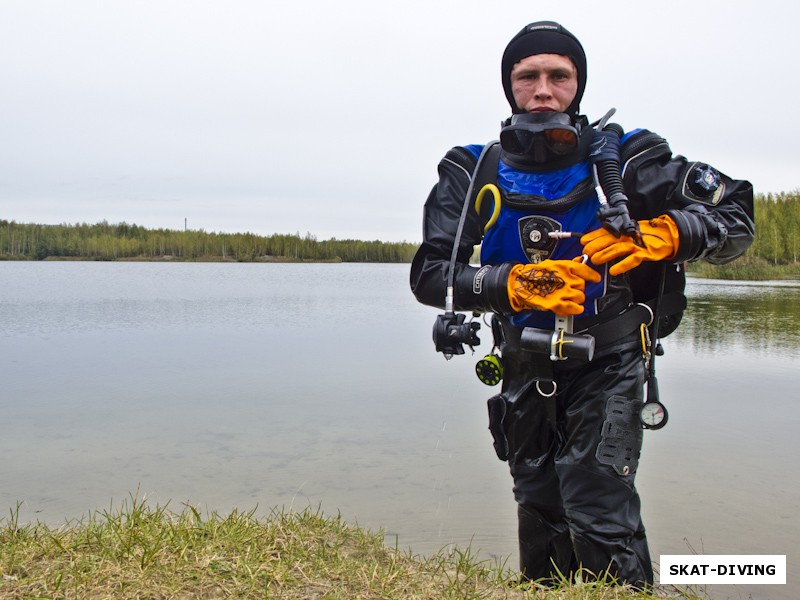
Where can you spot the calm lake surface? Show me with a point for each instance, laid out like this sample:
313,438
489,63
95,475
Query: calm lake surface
256,386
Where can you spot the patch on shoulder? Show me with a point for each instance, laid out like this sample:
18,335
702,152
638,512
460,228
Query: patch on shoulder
703,183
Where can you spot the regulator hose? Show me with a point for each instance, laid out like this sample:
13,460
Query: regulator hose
605,157
449,302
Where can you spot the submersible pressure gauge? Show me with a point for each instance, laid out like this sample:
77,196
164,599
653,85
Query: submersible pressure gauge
653,415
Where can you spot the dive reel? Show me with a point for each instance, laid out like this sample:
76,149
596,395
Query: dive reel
489,369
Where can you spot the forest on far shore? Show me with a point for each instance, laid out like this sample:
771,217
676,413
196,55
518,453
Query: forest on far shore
106,241
774,253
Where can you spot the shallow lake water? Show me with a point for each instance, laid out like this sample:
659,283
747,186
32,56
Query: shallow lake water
259,386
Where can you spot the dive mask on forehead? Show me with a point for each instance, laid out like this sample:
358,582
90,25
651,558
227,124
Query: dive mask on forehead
540,135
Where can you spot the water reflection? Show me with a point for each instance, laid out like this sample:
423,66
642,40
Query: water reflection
722,478
291,385
763,318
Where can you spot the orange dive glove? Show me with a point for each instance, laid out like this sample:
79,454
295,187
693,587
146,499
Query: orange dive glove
659,235
555,285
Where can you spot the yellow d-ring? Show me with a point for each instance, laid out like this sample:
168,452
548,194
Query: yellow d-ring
489,187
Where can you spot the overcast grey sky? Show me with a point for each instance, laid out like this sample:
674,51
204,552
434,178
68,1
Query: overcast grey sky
330,117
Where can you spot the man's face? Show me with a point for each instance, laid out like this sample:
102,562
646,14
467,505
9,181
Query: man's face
544,82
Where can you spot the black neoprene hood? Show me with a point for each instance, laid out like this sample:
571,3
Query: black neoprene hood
544,37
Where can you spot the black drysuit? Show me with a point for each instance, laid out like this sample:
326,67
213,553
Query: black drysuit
573,454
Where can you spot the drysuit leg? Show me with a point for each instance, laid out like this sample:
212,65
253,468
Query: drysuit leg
608,535
545,543
525,436
597,462
545,546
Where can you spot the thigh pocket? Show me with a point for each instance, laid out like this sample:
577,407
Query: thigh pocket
498,407
621,442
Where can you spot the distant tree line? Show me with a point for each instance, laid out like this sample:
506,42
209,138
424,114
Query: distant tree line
777,228
775,251
105,241
777,242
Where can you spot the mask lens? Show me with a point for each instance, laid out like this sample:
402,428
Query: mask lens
561,141
517,141
537,135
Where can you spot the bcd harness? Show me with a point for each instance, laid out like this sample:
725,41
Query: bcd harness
657,290
657,287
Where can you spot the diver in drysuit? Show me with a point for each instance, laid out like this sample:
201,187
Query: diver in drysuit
552,248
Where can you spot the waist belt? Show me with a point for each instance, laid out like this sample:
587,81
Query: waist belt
631,318
607,331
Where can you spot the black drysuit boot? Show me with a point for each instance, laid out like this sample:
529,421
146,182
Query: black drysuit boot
545,547
627,562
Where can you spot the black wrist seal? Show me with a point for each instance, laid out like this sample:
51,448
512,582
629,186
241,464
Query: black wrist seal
490,284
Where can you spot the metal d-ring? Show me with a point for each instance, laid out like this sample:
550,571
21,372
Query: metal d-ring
543,395
650,310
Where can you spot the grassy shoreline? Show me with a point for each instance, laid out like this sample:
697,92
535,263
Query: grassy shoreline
144,551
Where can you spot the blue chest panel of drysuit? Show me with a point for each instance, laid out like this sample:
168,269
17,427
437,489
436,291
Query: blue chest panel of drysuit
502,242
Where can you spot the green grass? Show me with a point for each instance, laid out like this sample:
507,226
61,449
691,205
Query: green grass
143,551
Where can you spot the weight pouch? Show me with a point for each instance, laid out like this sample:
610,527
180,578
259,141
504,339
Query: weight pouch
498,407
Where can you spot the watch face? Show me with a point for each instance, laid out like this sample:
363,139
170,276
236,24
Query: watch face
653,415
